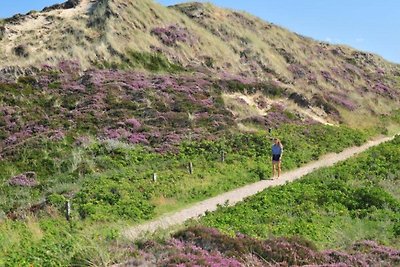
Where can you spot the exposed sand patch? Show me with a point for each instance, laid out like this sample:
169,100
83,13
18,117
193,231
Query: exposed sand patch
162,201
39,23
82,8
244,106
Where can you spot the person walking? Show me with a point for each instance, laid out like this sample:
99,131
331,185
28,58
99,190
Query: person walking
277,150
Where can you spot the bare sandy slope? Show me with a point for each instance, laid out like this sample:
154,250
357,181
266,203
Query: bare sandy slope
42,33
239,194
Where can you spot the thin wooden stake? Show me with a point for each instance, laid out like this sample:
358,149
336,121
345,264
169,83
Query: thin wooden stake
154,177
223,156
190,167
68,210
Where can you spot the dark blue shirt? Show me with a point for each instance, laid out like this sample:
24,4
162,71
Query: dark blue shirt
276,149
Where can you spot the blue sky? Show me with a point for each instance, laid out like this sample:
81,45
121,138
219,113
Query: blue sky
368,25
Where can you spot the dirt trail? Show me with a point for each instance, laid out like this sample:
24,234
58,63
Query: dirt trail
239,194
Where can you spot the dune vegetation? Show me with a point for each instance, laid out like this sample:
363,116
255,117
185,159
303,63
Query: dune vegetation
105,104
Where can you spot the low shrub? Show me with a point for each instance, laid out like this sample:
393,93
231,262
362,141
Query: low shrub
207,246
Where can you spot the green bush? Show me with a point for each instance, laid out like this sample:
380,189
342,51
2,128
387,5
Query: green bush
27,80
57,201
262,172
155,62
396,229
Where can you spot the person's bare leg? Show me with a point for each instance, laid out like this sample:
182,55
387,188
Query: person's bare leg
273,169
279,169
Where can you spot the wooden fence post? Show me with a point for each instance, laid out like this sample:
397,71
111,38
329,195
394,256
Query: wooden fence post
191,167
223,156
68,210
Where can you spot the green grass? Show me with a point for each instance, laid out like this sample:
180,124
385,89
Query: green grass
154,62
334,207
114,183
53,242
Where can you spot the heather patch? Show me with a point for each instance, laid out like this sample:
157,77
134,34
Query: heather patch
129,106
173,34
107,103
383,89
291,251
27,179
342,100
209,247
298,71
348,75
322,102
177,253
312,79
329,78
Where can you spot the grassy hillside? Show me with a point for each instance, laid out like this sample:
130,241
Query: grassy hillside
336,83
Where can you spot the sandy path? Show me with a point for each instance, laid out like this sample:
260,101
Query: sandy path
239,194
